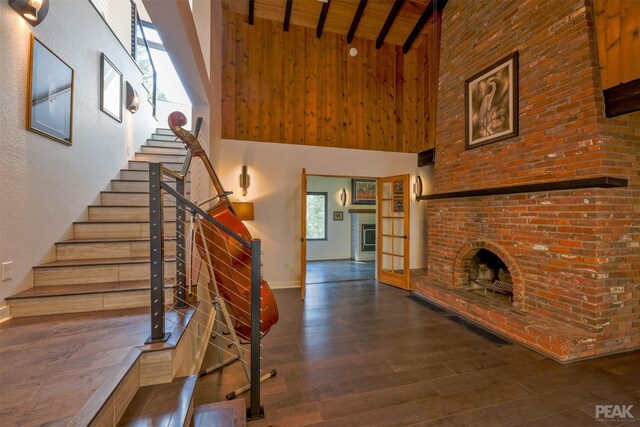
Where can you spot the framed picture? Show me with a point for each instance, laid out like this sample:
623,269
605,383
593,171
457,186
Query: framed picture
398,188
50,101
398,206
363,191
491,103
338,215
110,89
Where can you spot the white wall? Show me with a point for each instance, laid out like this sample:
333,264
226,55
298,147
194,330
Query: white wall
45,185
338,243
275,171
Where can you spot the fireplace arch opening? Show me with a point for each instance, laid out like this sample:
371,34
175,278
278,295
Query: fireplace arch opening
489,274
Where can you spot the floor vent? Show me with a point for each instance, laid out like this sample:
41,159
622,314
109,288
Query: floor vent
428,304
479,331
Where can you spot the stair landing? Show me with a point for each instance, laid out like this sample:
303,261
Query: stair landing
51,365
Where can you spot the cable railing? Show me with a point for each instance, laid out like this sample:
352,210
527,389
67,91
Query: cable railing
209,255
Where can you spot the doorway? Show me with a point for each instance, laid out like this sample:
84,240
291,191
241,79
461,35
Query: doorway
339,226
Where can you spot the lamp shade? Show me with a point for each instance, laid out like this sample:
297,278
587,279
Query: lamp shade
244,210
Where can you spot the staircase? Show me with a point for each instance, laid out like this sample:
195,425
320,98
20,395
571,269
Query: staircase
105,266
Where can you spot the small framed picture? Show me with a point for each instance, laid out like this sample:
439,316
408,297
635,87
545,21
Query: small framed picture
491,103
398,188
110,89
50,94
398,206
363,191
338,215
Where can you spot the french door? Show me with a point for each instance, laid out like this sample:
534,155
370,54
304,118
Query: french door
303,236
393,231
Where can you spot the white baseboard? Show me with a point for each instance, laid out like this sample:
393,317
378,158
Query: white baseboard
284,285
4,313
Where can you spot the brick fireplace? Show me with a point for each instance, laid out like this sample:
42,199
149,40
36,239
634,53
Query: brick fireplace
573,254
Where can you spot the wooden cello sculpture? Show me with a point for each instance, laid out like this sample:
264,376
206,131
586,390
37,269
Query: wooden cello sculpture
231,262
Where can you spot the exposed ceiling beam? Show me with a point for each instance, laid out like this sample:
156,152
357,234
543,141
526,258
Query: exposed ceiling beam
439,5
287,15
397,4
356,20
252,6
323,18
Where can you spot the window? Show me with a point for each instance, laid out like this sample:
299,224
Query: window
316,216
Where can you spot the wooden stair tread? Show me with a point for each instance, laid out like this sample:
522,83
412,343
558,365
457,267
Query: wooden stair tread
168,148
230,413
84,289
162,405
105,240
119,222
147,161
98,261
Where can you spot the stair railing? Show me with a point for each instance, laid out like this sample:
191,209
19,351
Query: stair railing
161,190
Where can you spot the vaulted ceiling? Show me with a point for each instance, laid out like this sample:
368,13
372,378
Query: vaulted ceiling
397,22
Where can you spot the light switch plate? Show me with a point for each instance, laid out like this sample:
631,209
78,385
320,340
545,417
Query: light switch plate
6,270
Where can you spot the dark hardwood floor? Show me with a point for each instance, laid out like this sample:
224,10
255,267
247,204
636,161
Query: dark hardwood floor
364,354
342,270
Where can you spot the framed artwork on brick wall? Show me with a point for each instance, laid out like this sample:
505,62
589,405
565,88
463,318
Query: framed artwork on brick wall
491,103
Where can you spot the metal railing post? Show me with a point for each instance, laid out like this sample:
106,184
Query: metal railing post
181,253
255,410
156,246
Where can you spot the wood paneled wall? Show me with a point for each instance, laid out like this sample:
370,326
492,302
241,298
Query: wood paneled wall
295,88
618,34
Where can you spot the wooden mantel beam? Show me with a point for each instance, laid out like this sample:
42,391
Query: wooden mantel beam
426,14
397,4
356,20
323,18
287,15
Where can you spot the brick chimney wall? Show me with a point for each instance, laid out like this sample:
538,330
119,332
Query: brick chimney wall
578,252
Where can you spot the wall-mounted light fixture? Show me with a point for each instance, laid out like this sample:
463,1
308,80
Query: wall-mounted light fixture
343,197
33,11
133,100
244,210
417,186
245,180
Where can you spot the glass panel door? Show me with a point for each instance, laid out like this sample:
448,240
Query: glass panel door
393,231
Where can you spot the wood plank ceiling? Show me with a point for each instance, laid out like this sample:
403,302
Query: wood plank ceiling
397,22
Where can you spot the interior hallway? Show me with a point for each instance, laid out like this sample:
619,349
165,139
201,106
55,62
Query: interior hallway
366,354
339,271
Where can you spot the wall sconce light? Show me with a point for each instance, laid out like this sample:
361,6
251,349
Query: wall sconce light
132,100
343,197
245,180
244,210
417,186
33,11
